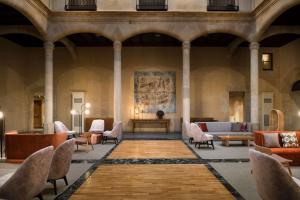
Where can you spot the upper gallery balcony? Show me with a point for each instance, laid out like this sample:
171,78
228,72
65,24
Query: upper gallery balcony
152,5
223,5
80,5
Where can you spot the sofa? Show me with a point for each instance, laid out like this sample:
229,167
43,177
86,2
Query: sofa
18,146
288,153
224,128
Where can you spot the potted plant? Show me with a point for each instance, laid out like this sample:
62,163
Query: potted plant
160,114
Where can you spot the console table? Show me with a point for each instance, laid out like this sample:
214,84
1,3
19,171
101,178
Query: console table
165,122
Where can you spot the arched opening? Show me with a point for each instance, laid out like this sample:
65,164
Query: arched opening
152,79
281,40
220,78
87,78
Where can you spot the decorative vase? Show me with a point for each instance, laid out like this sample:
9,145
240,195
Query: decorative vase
160,114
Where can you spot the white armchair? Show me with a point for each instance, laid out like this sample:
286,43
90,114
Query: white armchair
200,137
60,127
97,126
113,134
186,128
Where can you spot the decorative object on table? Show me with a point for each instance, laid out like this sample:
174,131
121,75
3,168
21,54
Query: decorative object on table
2,129
84,109
160,114
155,91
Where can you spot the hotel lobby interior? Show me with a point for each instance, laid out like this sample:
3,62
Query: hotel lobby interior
148,99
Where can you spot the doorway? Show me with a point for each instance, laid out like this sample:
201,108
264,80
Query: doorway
38,104
236,106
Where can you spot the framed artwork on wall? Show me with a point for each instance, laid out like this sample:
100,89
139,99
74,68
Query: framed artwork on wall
155,91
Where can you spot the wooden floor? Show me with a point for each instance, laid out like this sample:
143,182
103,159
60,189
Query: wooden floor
157,181
147,149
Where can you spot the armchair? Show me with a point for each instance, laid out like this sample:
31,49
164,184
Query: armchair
97,126
84,139
113,134
60,127
61,163
200,137
186,127
272,180
30,178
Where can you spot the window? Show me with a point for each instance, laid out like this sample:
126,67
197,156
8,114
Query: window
222,5
80,5
152,5
267,61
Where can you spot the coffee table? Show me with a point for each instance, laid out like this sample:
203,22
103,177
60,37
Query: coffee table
245,139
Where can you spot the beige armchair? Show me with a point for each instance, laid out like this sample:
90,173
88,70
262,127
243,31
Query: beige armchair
272,181
30,178
61,162
113,134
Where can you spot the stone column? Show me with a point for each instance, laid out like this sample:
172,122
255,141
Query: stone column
48,124
186,81
117,81
254,82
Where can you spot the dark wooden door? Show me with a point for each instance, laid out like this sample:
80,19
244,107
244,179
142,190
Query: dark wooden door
37,114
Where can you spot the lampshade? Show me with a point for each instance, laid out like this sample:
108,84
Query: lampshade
1,115
87,105
87,112
73,112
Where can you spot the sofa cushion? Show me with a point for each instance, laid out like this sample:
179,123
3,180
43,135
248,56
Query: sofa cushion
236,127
289,140
203,126
271,140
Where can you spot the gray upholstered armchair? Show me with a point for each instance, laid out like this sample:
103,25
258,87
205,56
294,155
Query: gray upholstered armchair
272,181
30,178
61,162
60,127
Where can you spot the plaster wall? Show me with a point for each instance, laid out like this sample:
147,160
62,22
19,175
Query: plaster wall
173,5
214,73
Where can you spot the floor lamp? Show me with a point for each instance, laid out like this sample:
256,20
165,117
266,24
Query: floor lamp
2,130
84,109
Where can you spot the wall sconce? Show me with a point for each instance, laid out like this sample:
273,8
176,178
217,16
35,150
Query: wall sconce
267,61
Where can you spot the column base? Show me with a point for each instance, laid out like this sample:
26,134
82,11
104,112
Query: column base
255,127
49,128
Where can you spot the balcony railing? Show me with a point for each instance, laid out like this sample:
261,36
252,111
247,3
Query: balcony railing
80,5
223,5
152,5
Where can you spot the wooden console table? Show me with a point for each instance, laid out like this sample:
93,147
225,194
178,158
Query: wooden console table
165,122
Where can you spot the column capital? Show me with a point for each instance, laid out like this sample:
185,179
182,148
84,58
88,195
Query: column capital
186,44
254,46
117,45
49,45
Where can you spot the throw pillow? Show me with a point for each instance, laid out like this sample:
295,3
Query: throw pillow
203,127
244,127
271,140
289,140
236,127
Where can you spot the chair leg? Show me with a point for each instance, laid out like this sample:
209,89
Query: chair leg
77,146
66,180
92,146
54,185
40,196
196,144
212,144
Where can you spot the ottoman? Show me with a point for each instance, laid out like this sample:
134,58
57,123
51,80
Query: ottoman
96,138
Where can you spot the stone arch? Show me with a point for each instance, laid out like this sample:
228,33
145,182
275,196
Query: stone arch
151,30
265,18
24,30
28,9
84,29
227,31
